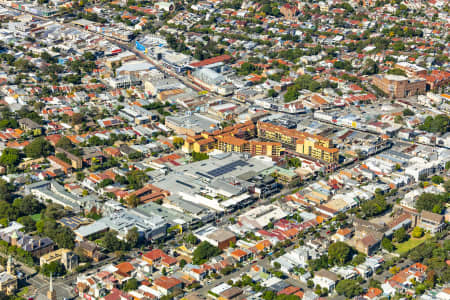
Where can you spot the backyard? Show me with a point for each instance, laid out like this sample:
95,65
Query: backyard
403,248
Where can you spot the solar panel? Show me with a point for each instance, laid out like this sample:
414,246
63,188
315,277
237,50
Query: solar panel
184,183
227,168
203,174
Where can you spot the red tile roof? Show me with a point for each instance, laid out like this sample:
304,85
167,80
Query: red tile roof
211,61
166,282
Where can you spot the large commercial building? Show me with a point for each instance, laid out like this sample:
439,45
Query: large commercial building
261,216
311,145
149,226
56,193
399,86
190,124
212,81
219,183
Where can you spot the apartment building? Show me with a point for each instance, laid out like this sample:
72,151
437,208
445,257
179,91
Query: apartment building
315,146
400,86
233,144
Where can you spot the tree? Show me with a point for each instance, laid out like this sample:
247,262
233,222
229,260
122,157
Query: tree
182,263
447,185
247,68
227,270
272,93
54,268
394,270
178,142
436,179
371,67
431,202
136,179
38,147
400,235
27,205
417,232
105,182
387,244
339,253
349,288
65,238
28,222
133,237
358,259
130,285
375,206
198,156
191,239
133,200
64,143
10,157
54,212
396,71
408,112
203,252
441,123
294,162
343,64
291,94
112,243
398,119
136,155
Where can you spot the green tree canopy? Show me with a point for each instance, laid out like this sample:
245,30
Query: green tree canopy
55,268
203,252
387,244
10,157
400,235
133,237
64,143
375,206
349,288
340,253
130,285
417,232
432,202
441,123
38,147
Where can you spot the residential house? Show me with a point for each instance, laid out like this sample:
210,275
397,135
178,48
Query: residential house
402,282
168,285
431,221
325,279
29,125
241,255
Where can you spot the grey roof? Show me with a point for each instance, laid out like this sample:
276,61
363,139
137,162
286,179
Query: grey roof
218,172
209,76
87,230
196,122
187,206
169,215
5,276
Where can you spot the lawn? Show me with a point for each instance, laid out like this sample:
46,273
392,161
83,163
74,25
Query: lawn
410,244
23,292
36,217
